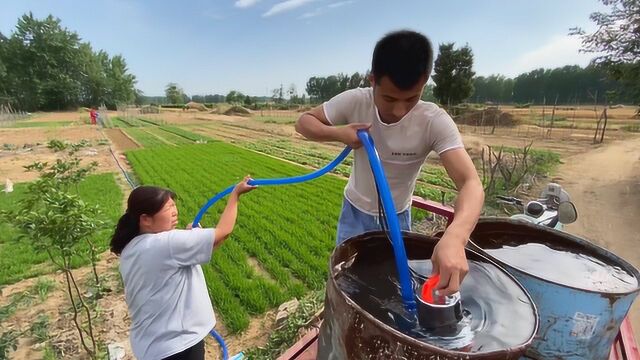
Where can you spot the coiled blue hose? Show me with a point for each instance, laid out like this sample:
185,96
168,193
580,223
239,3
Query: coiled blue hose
393,224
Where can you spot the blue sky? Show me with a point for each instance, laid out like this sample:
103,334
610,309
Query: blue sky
253,46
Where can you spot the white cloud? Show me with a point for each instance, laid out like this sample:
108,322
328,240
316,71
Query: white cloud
340,3
559,51
245,3
323,10
284,6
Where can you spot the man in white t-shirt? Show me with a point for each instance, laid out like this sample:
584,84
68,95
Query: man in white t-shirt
405,130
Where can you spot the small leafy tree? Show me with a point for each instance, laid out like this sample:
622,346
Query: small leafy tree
617,35
616,40
53,219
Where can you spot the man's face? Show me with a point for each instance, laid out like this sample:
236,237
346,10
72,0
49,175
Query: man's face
393,103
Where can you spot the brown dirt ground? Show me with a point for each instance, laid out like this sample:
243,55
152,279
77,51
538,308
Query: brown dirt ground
120,140
31,143
179,117
114,322
59,116
56,306
11,166
604,184
579,112
22,136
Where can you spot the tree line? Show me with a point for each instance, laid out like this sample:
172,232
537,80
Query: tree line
44,66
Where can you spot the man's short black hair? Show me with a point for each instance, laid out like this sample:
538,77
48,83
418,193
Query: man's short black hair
404,56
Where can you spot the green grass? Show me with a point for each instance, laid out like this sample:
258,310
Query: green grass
43,287
150,133
39,329
276,119
186,134
32,124
284,337
284,150
16,301
19,261
570,124
154,136
542,162
119,123
49,352
289,230
169,136
144,138
635,128
539,163
430,193
151,121
436,175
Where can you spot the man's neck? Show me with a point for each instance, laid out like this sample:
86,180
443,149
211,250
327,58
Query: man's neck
385,120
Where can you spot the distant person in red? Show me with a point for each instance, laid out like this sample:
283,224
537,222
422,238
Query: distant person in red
93,114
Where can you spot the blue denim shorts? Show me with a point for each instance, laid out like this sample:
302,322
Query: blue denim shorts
354,222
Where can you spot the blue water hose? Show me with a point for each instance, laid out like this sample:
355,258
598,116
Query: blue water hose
225,353
278,181
393,224
402,265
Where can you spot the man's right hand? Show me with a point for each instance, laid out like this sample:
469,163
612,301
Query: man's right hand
348,134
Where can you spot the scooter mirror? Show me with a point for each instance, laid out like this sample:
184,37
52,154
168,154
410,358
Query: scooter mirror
567,212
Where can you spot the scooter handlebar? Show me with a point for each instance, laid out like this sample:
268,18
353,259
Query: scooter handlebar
509,200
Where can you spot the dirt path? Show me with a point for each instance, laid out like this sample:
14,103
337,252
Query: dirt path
604,183
121,141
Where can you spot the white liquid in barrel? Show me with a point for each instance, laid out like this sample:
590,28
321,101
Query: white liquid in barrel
566,267
497,313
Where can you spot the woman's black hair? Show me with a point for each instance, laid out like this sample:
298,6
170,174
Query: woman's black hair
147,200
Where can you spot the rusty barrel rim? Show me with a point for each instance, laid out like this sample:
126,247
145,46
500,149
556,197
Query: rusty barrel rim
414,342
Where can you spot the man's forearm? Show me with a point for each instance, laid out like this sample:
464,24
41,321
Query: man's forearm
468,207
313,129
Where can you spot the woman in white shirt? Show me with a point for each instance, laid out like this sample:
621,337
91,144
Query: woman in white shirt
165,290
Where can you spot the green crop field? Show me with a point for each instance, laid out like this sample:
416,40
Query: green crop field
20,261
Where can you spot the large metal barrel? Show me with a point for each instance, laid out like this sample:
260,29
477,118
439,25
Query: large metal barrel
582,291
361,320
